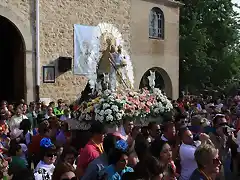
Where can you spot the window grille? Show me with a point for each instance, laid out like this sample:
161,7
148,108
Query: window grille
156,23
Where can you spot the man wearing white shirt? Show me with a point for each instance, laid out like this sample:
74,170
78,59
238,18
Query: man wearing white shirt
15,121
186,152
49,113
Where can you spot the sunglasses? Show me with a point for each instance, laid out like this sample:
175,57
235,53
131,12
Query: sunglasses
51,154
73,178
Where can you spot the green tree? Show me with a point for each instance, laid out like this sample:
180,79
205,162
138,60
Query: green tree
209,43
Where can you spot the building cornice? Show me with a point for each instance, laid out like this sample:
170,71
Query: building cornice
172,3
175,3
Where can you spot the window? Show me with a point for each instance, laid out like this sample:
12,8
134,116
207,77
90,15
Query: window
156,23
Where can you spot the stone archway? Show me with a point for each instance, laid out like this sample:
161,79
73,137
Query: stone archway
17,59
12,64
162,81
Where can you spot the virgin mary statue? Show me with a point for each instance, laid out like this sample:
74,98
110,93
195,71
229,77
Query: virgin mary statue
109,64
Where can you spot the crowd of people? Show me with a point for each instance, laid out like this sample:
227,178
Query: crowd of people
198,140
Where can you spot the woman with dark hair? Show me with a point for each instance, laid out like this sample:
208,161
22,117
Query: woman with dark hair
118,161
48,154
25,125
64,171
142,151
153,168
69,155
162,151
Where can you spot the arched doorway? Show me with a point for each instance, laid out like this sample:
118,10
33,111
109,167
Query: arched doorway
12,62
162,80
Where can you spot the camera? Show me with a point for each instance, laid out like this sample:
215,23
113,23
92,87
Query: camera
228,130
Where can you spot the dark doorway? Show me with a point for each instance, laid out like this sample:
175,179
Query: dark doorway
159,81
12,62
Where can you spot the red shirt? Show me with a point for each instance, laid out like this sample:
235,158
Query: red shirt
90,152
34,147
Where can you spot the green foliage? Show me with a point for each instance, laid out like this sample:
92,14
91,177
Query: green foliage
209,43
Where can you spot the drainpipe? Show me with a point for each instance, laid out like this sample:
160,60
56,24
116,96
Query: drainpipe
38,69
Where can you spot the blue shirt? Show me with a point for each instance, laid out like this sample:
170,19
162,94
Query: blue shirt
196,175
111,174
95,167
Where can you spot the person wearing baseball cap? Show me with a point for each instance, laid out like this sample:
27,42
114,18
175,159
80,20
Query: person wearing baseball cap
48,155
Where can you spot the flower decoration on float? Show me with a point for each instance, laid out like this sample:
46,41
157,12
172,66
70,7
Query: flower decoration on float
113,106
110,108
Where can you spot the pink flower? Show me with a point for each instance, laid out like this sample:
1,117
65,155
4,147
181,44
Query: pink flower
137,102
130,99
119,96
142,98
147,109
126,106
141,105
149,103
151,98
132,108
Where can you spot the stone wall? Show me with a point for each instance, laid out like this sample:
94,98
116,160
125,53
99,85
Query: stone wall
56,27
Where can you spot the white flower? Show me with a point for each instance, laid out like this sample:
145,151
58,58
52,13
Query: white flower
156,110
107,92
109,117
101,100
118,116
97,110
105,105
118,100
159,105
157,91
96,117
161,109
137,113
88,117
114,108
121,111
101,112
111,98
99,117
114,94
108,111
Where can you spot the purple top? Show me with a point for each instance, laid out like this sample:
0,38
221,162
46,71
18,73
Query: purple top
61,139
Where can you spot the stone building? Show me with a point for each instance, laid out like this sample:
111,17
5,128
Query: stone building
150,29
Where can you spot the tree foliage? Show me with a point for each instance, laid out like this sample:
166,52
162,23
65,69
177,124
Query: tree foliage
209,43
